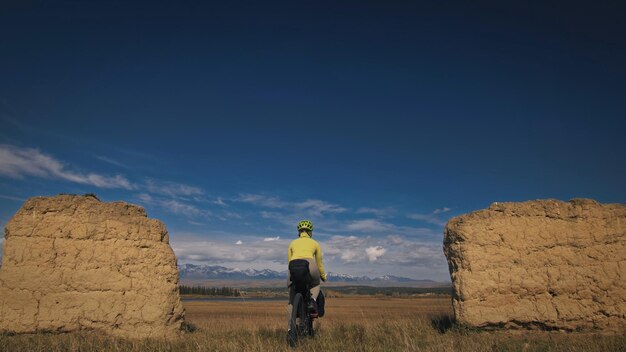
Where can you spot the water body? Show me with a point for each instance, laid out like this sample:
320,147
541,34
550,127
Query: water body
233,299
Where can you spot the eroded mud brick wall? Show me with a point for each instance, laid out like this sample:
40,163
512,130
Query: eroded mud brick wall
73,262
540,264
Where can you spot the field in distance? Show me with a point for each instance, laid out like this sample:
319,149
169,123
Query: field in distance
282,283
333,291
351,324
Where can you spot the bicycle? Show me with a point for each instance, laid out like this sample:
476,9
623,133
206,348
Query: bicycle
302,312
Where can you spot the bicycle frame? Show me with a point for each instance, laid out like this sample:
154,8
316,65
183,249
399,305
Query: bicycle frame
301,319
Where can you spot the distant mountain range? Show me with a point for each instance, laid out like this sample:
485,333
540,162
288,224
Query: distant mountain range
192,272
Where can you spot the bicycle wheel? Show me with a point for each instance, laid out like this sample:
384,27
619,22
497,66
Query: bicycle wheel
308,322
294,328
303,318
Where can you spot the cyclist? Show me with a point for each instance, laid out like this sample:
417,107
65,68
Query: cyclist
306,248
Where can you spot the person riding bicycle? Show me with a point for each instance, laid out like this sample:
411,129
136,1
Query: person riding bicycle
306,248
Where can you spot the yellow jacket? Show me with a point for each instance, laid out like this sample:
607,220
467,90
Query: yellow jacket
305,247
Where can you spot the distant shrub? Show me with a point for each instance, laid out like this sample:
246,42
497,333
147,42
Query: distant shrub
209,291
91,195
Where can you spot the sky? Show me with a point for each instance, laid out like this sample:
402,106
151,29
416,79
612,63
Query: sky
379,121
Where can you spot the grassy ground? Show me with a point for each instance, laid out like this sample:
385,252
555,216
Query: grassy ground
351,324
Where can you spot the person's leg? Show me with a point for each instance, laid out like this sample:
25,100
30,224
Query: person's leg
315,274
315,291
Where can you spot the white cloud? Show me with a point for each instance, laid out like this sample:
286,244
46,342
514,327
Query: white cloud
270,239
398,250
442,210
172,189
349,256
393,254
404,251
191,248
373,253
19,162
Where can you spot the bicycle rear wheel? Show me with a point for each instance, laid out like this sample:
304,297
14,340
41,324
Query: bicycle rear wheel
295,325
304,319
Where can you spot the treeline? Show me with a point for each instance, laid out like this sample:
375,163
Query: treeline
209,291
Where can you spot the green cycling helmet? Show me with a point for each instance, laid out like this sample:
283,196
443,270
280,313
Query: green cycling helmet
305,225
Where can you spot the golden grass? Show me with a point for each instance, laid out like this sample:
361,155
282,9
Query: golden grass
351,324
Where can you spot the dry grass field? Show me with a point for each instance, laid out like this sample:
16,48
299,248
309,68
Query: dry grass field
351,324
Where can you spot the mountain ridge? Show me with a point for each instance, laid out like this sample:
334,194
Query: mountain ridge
195,272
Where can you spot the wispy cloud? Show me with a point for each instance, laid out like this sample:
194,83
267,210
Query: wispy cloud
432,218
271,239
174,206
370,225
270,215
442,210
261,200
427,218
110,161
313,207
378,212
16,162
377,227
17,199
317,207
172,189
219,201
181,208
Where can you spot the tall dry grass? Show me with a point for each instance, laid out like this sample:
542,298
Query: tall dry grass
351,324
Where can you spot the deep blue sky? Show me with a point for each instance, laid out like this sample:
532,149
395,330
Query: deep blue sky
225,120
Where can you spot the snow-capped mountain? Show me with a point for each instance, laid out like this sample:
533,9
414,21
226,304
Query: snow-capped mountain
216,272
192,271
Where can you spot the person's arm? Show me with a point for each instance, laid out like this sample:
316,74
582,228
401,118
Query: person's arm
289,252
318,258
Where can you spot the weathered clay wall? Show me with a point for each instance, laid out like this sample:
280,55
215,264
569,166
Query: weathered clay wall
73,262
540,264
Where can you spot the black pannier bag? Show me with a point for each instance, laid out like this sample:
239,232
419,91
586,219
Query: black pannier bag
300,275
320,303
